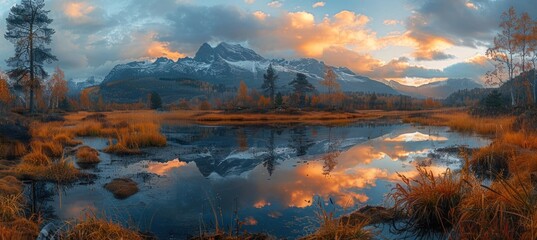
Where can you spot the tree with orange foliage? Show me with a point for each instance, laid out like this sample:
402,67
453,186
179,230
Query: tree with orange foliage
85,102
330,82
263,102
57,87
242,95
5,94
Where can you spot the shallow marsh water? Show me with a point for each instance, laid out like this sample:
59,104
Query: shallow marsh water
271,178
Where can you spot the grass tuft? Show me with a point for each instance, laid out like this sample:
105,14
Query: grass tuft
429,201
91,227
87,155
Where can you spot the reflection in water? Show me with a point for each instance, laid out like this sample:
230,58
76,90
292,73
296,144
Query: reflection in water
330,157
415,137
271,156
163,169
300,141
268,179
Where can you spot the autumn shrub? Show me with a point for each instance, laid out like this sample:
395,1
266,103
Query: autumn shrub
87,155
429,202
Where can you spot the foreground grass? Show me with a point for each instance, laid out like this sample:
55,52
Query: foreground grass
462,206
92,227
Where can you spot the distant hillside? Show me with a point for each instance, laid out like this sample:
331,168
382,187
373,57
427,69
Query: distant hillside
466,97
437,90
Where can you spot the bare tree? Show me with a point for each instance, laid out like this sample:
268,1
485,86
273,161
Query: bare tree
532,48
504,51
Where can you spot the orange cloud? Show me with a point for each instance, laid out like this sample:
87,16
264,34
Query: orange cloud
77,9
471,5
146,46
159,49
299,31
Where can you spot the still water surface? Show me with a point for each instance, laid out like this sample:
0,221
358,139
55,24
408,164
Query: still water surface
271,178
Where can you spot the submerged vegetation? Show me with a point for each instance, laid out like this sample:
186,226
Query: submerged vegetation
122,187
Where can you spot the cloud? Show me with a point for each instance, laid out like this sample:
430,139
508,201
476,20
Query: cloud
77,10
299,32
389,22
249,1
260,15
318,4
275,4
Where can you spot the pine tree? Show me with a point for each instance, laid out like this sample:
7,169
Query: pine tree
27,29
279,100
156,101
301,87
269,83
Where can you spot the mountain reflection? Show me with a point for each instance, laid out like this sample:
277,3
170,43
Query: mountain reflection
274,175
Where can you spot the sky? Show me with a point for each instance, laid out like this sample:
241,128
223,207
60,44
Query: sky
410,41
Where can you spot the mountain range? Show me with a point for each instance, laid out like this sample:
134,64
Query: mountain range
226,65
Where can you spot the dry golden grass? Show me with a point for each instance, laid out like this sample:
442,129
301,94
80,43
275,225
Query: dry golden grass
11,199
36,158
87,155
522,139
92,228
12,150
429,201
61,171
50,148
122,187
136,136
505,210
337,229
66,140
464,122
19,229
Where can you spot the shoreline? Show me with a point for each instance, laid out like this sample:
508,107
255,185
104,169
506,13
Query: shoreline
278,118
